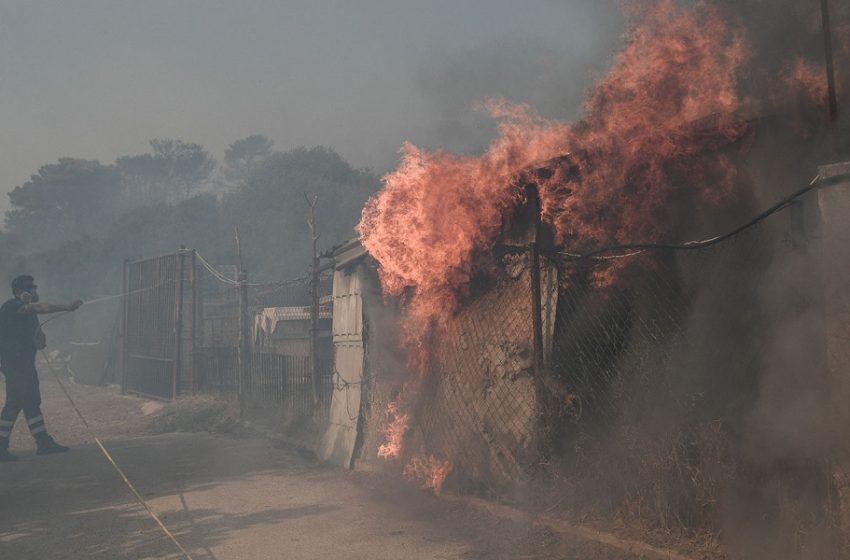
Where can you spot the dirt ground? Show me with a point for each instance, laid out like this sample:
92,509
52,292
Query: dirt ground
233,496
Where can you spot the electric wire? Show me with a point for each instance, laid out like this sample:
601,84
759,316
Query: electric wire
217,274
224,279
638,248
342,384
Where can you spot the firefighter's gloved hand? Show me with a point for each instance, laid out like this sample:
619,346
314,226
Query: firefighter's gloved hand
76,305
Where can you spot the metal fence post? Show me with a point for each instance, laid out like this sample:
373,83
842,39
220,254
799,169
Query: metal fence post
178,323
193,326
125,301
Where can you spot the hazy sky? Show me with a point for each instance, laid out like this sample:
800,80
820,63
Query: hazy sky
98,79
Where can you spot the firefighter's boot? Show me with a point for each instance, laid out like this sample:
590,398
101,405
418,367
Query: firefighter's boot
5,456
47,446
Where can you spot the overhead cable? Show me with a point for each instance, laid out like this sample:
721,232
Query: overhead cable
638,248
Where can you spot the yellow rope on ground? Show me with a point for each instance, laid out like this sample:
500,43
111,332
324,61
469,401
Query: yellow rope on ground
112,462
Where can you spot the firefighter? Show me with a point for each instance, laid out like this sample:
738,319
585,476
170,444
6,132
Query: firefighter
20,338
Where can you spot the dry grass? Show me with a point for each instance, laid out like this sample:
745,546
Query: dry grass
195,414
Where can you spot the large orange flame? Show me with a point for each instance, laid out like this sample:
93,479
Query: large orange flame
656,132
808,78
438,211
643,131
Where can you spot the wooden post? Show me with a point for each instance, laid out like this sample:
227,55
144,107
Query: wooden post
314,304
178,324
125,300
536,297
243,355
540,390
314,334
238,247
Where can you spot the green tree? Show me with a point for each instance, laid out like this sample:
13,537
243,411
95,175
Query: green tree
71,199
142,178
270,208
74,222
196,222
173,171
243,156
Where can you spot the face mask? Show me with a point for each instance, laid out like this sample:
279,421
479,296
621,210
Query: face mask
29,297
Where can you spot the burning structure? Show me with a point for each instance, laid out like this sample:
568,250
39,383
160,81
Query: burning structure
514,318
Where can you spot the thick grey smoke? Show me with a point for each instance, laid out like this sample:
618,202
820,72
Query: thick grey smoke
552,76
97,80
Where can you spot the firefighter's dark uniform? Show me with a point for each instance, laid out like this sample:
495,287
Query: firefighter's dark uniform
17,361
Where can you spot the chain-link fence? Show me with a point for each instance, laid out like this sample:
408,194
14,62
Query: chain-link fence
656,371
482,401
691,376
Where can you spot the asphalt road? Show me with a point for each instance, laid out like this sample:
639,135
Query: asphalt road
231,497
235,498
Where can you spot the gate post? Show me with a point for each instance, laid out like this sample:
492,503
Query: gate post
193,326
178,323
243,354
125,302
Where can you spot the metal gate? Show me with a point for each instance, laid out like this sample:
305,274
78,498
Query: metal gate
159,325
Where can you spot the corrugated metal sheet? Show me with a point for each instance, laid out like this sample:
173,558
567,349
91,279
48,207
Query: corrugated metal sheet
348,253
348,307
267,320
276,314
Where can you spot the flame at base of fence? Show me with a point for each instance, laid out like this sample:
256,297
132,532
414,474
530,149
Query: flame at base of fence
429,472
396,428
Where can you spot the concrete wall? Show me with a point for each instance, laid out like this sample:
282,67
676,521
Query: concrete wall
834,235
339,440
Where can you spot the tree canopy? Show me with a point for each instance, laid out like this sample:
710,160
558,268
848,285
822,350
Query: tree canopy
74,221
66,200
270,207
242,156
172,171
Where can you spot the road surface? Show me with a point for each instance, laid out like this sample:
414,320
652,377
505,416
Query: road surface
232,497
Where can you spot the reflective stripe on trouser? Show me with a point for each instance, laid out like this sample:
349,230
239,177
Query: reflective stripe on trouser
36,425
6,428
